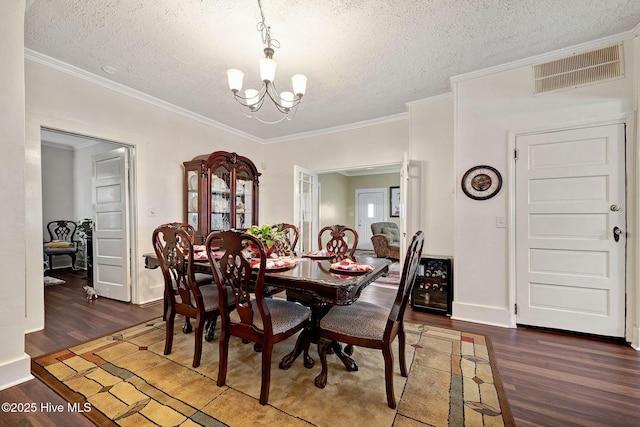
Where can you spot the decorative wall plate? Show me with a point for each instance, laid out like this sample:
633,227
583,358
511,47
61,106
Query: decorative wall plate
481,182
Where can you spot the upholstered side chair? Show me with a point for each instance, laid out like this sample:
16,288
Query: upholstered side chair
61,241
263,321
173,246
369,325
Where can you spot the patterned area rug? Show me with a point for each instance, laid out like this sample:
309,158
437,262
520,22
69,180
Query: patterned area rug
392,279
124,379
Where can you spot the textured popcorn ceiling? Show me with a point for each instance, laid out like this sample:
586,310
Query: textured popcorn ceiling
364,58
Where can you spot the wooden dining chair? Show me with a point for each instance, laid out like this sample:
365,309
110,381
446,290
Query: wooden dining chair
336,242
174,249
263,321
368,325
287,248
200,278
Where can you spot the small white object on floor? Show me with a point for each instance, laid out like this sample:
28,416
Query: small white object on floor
48,280
91,293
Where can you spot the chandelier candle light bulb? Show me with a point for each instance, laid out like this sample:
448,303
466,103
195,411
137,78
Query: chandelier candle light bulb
287,99
286,102
268,69
235,80
299,83
253,96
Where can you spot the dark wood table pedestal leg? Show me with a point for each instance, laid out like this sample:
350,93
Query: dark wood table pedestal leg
323,346
318,309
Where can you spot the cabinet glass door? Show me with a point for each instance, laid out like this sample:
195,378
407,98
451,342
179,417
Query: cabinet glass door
244,200
192,198
220,199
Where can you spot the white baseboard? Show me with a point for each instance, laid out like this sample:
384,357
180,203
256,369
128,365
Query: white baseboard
635,341
15,372
494,316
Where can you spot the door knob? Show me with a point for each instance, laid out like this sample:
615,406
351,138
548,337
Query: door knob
616,233
614,208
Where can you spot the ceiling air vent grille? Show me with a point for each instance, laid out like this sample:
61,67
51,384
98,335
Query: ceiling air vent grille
579,69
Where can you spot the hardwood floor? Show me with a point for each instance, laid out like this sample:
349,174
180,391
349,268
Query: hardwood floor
69,319
550,378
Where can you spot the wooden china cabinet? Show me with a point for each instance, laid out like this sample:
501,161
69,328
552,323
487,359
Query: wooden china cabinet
220,192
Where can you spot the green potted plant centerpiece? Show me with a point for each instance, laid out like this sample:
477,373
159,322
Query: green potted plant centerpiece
269,235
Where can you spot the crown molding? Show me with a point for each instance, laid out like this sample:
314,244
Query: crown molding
58,65
549,56
430,99
341,128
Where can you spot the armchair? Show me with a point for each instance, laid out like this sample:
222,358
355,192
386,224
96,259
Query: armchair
386,239
61,242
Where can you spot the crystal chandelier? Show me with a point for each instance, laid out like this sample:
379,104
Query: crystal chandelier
286,102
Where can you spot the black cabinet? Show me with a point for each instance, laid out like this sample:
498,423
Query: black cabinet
433,286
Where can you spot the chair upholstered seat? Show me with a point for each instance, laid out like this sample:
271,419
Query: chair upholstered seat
284,315
360,319
210,297
204,279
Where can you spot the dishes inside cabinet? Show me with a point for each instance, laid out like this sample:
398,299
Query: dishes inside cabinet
220,205
193,182
219,184
193,220
193,203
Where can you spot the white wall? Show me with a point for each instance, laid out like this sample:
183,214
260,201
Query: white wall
57,185
432,125
14,363
487,108
162,139
58,201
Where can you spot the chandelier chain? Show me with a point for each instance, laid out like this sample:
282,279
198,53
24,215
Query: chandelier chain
265,30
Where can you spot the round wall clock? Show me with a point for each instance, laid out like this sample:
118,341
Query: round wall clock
481,182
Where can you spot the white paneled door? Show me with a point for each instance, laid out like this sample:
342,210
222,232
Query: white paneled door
570,217
111,246
305,208
370,207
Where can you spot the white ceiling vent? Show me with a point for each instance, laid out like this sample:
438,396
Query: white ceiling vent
579,69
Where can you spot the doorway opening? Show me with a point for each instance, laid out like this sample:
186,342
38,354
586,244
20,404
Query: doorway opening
68,192
337,200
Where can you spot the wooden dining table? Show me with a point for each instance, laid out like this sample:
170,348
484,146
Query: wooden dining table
324,286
